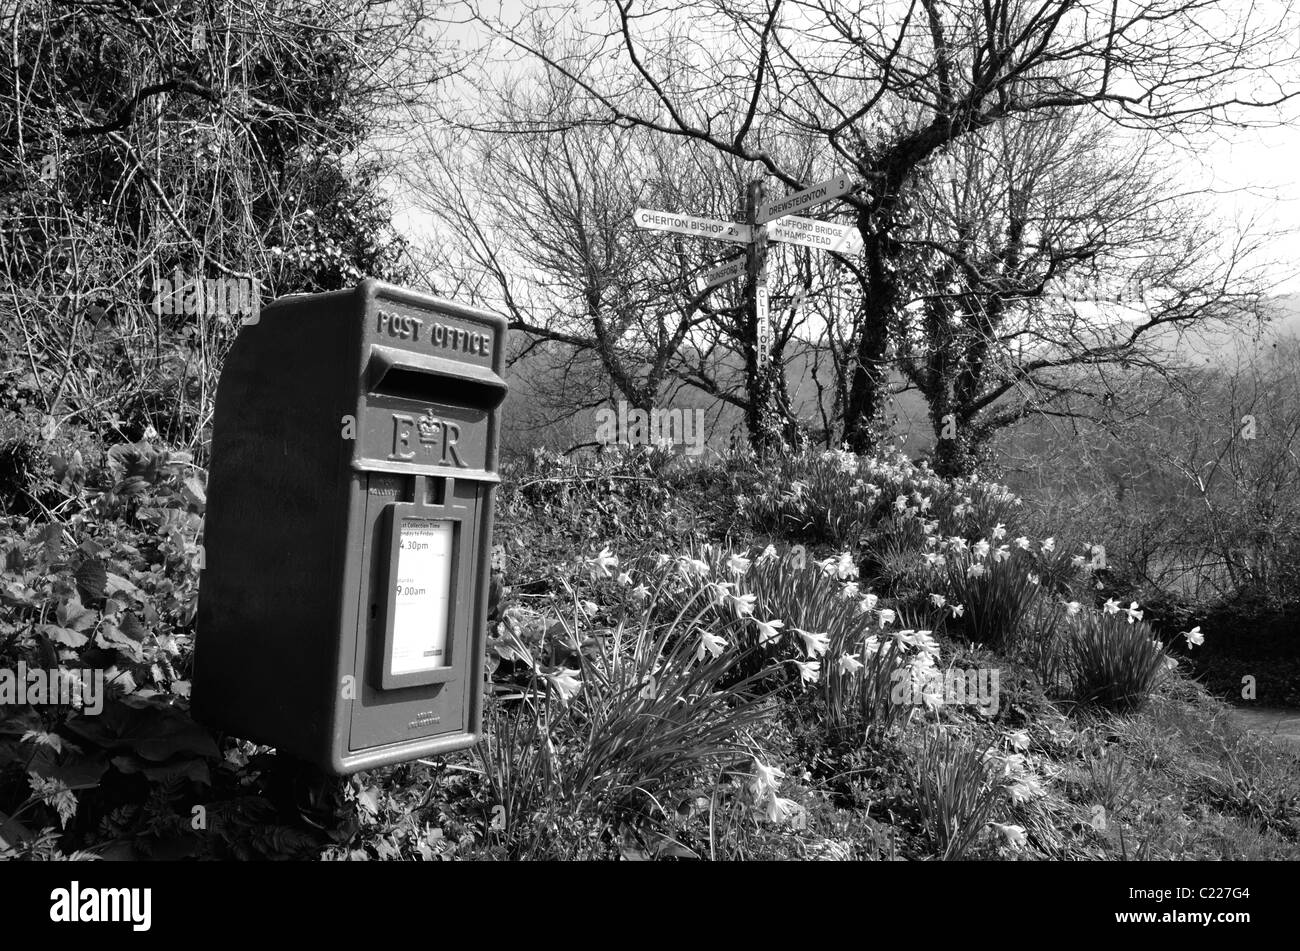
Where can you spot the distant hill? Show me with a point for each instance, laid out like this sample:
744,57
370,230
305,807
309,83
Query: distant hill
540,408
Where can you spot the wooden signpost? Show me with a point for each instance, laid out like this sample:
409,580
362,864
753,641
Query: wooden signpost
754,233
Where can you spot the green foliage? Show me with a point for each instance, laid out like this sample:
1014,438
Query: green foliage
954,790
644,705
191,139
1114,663
618,721
998,594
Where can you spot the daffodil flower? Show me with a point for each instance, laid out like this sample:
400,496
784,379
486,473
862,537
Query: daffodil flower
887,617
603,562
1072,608
999,531
742,604
849,664
1013,834
1022,543
1194,637
958,610
779,809
717,591
565,681
976,571
693,566
1048,545
1111,606
768,554
809,671
938,600
640,593
1133,613
712,643
624,578
767,779
1033,578
980,548
768,630
814,645
738,564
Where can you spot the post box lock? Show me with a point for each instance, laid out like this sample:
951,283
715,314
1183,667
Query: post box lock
343,597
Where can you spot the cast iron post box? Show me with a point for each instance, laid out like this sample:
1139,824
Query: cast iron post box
343,594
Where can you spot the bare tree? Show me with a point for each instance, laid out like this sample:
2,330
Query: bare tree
535,211
1050,250
888,87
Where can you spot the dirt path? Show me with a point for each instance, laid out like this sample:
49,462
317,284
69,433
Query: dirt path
1281,723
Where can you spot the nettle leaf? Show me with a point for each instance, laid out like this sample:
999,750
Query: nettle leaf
73,769
153,731
17,724
75,615
17,594
180,768
116,584
132,627
52,539
110,637
63,636
92,579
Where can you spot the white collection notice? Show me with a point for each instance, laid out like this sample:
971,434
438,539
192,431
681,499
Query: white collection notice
421,605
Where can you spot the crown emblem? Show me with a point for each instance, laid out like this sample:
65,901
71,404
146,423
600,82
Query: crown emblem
428,427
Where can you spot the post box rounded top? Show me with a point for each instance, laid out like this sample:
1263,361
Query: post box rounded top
372,289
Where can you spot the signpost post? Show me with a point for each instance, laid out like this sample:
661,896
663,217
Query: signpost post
754,233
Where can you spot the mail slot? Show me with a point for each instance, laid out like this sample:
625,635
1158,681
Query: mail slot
343,594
